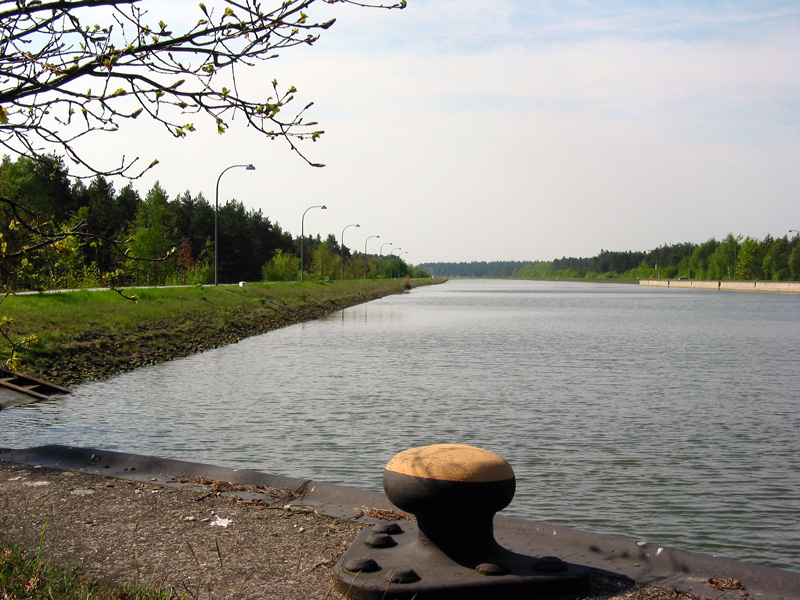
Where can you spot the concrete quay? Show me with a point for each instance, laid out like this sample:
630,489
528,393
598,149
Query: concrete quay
787,287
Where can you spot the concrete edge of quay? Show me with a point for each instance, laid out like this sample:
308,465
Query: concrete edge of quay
786,287
640,561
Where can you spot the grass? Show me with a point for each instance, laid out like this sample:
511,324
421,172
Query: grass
31,578
86,335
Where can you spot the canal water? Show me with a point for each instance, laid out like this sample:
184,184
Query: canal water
671,416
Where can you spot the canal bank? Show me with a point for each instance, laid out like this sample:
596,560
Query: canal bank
89,335
786,287
210,531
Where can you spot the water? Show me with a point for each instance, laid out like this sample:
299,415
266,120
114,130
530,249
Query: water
663,415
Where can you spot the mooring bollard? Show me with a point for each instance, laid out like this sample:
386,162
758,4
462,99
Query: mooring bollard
454,491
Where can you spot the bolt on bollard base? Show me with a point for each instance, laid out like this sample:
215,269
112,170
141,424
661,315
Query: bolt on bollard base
450,551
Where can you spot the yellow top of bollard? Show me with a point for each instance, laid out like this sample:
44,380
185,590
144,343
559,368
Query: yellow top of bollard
452,462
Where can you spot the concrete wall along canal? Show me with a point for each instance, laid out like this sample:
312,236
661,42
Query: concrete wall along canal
790,287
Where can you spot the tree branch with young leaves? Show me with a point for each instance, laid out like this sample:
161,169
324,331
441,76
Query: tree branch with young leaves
69,68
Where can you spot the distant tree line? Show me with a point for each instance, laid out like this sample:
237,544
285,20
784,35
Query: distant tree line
771,259
774,259
116,237
494,269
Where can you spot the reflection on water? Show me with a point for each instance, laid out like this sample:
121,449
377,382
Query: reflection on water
667,415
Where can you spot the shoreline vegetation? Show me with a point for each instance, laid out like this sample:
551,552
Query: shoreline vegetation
87,335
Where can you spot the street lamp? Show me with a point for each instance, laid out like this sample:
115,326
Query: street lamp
380,254
391,268
365,253
342,248
216,210
303,236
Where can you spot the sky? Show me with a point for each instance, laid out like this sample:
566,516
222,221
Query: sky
482,130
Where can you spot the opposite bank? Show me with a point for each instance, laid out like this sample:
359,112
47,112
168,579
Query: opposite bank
789,287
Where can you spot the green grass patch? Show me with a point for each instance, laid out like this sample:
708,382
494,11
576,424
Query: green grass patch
29,577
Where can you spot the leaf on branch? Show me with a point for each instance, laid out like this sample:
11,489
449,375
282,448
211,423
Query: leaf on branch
118,92
136,113
29,341
3,115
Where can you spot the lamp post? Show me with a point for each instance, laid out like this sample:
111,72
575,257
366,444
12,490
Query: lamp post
365,253
391,268
249,167
303,236
342,248
380,253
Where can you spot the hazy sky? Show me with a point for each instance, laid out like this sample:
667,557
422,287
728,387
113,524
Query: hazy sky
521,130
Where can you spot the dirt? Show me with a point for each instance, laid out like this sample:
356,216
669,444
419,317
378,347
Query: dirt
204,543
116,531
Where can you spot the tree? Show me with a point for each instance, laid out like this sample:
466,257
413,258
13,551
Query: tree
776,261
281,267
153,238
722,263
326,262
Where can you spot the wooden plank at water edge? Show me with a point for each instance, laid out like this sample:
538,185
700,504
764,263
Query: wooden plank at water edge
15,384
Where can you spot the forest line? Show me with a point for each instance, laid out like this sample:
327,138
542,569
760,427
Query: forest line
119,239
733,258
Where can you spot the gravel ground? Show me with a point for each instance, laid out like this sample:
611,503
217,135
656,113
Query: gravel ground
205,543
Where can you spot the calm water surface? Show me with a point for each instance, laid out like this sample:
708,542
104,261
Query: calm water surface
665,415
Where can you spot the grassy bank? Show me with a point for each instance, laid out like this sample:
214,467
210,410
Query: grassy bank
87,335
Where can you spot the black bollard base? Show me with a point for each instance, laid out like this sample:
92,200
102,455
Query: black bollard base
391,563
